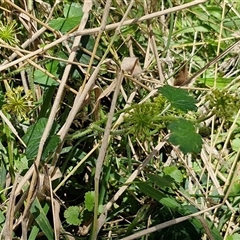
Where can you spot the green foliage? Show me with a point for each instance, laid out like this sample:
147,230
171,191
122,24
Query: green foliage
183,134
33,136
179,98
142,120
39,215
235,236
223,103
150,191
174,173
72,15
44,80
172,184
72,215
2,99
162,181
89,201
17,104
8,32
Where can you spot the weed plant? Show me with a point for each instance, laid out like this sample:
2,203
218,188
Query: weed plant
119,119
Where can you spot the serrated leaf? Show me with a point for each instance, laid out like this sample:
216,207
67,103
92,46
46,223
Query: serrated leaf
71,215
89,200
179,98
33,136
174,173
183,134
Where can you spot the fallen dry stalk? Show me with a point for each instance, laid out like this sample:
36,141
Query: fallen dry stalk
96,30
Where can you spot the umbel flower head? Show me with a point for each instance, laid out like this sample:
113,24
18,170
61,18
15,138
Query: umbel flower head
17,103
223,103
8,33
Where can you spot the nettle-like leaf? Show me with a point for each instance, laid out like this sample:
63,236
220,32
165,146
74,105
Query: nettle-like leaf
72,215
89,200
179,98
183,134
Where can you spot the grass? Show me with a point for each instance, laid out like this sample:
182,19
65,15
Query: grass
97,142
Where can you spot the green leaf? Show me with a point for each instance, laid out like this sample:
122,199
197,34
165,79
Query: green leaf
141,215
179,98
72,214
64,24
2,99
72,10
52,67
40,218
183,134
174,173
33,136
235,190
221,82
147,189
164,181
89,200
170,202
235,144
191,30
235,236
2,218
72,13
34,232
42,79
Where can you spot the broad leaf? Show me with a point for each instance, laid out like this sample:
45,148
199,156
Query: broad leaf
183,134
179,98
72,10
42,79
72,17
72,215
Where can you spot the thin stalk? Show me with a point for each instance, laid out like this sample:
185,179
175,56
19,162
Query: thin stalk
102,154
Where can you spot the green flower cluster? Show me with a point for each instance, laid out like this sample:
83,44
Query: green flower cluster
17,103
223,103
8,33
144,120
